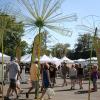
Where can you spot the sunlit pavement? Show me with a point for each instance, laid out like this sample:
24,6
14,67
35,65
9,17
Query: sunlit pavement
62,93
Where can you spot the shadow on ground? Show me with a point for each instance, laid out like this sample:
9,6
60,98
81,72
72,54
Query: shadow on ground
29,93
81,92
64,90
16,99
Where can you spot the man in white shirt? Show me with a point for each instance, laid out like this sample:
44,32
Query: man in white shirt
14,70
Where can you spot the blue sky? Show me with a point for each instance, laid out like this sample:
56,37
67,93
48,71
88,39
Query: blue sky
82,8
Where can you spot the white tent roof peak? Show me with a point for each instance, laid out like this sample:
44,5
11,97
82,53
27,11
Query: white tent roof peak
81,59
4,55
50,56
45,58
6,58
65,58
26,58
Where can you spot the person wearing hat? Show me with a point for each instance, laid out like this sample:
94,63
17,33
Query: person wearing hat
34,79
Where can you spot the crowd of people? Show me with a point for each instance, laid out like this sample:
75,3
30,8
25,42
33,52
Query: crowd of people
77,73
47,72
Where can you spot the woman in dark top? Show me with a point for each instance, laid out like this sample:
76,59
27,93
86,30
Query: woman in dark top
80,75
52,71
45,79
94,77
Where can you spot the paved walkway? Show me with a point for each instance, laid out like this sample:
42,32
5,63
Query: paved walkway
62,93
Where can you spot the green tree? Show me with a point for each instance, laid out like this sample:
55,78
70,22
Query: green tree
60,50
12,33
83,47
24,47
44,40
70,54
7,25
45,37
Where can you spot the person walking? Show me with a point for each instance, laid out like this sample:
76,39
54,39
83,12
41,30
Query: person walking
80,75
34,78
18,85
73,76
52,71
13,69
45,75
64,70
94,77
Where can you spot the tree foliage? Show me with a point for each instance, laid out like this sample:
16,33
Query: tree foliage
60,50
43,37
12,34
83,47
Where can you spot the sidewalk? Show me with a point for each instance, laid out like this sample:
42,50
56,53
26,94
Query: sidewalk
62,93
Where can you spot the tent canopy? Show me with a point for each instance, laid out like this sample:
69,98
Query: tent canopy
67,60
44,59
92,58
81,60
6,58
26,58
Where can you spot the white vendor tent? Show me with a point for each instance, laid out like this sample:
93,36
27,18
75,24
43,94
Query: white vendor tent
67,60
56,61
93,60
6,58
44,59
26,58
81,61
